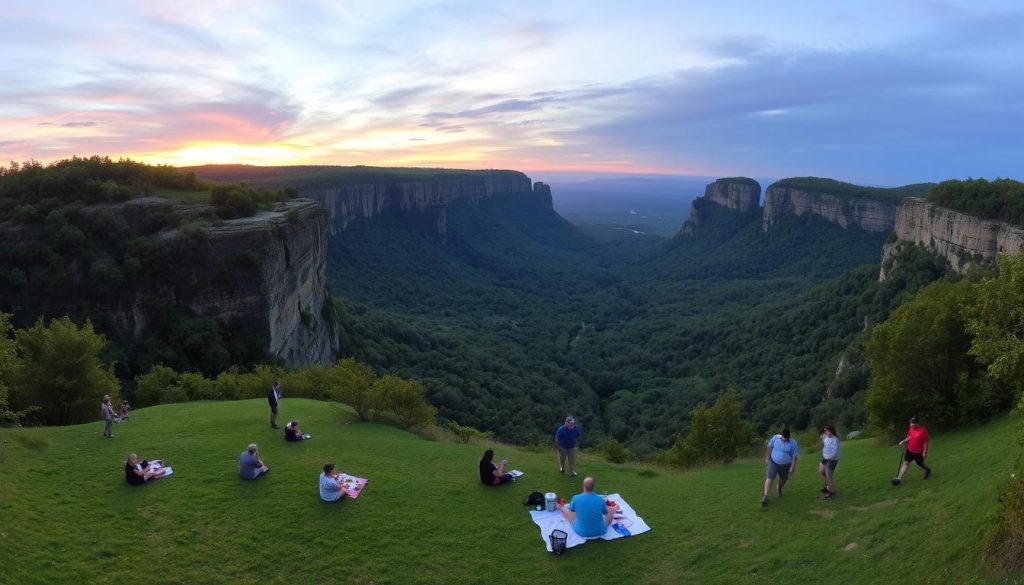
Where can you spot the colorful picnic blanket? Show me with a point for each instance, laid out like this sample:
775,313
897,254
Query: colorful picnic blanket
629,525
352,484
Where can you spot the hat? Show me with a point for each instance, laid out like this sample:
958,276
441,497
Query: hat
913,420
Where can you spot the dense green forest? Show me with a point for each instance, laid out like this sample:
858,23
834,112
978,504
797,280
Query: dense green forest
1001,199
849,190
520,318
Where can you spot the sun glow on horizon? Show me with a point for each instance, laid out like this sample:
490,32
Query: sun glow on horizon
200,153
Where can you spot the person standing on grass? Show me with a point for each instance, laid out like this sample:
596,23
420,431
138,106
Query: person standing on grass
780,460
273,397
829,459
917,450
107,412
565,445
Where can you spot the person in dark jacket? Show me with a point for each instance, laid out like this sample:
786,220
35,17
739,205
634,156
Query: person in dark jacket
491,474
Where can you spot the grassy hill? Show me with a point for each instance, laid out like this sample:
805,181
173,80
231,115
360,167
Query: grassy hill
424,518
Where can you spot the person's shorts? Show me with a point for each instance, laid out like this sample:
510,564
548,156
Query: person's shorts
915,457
273,408
831,464
780,470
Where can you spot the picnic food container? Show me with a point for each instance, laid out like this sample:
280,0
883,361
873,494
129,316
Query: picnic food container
550,500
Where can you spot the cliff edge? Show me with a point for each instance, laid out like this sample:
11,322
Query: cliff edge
734,193
963,240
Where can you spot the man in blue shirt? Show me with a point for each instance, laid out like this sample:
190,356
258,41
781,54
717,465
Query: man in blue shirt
587,512
565,445
780,459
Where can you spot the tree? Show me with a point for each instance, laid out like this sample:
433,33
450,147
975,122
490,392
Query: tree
8,361
919,361
717,434
996,322
352,383
406,399
60,371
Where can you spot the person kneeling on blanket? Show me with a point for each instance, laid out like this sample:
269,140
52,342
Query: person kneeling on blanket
491,475
587,512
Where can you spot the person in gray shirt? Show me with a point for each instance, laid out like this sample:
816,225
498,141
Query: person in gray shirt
250,466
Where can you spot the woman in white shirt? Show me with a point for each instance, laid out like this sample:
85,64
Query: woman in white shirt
829,459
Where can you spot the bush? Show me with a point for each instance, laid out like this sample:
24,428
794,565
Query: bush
465,433
352,383
1005,549
149,387
614,451
406,399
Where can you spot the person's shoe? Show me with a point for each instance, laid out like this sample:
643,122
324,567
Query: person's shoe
824,490
561,470
927,473
274,427
764,501
572,474
895,481
829,495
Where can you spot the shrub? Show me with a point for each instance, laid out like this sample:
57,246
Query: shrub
466,433
614,451
352,383
149,387
406,399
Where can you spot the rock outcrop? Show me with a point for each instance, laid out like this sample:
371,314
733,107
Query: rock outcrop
962,239
429,198
869,214
266,271
737,194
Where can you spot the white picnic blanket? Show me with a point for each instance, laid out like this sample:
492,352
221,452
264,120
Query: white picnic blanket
629,525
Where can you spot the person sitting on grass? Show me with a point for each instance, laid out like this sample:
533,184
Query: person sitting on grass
139,472
250,466
331,488
293,433
587,512
491,475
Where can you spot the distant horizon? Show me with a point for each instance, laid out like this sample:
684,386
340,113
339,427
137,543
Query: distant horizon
879,93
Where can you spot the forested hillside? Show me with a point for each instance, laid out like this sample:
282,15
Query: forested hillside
520,319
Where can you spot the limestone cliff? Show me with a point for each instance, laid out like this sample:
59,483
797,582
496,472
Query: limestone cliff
869,214
963,240
429,198
267,271
737,194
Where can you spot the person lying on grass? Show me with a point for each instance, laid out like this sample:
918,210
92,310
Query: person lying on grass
491,475
250,466
587,512
138,472
331,488
293,433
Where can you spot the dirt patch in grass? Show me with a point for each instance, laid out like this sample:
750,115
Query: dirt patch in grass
824,513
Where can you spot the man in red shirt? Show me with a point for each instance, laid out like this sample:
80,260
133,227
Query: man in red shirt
917,450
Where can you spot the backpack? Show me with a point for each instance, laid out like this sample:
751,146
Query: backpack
534,499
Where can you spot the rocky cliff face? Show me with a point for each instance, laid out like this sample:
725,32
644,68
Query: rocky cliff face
961,239
869,214
430,198
267,270
737,194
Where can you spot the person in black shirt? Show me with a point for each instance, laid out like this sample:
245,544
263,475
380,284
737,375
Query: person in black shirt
139,472
491,475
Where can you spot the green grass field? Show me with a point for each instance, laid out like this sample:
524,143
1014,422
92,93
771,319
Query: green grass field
66,514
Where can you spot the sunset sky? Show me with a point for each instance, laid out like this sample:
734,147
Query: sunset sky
879,92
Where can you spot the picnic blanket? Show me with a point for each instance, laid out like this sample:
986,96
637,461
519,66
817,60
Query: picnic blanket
629,525
354,485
